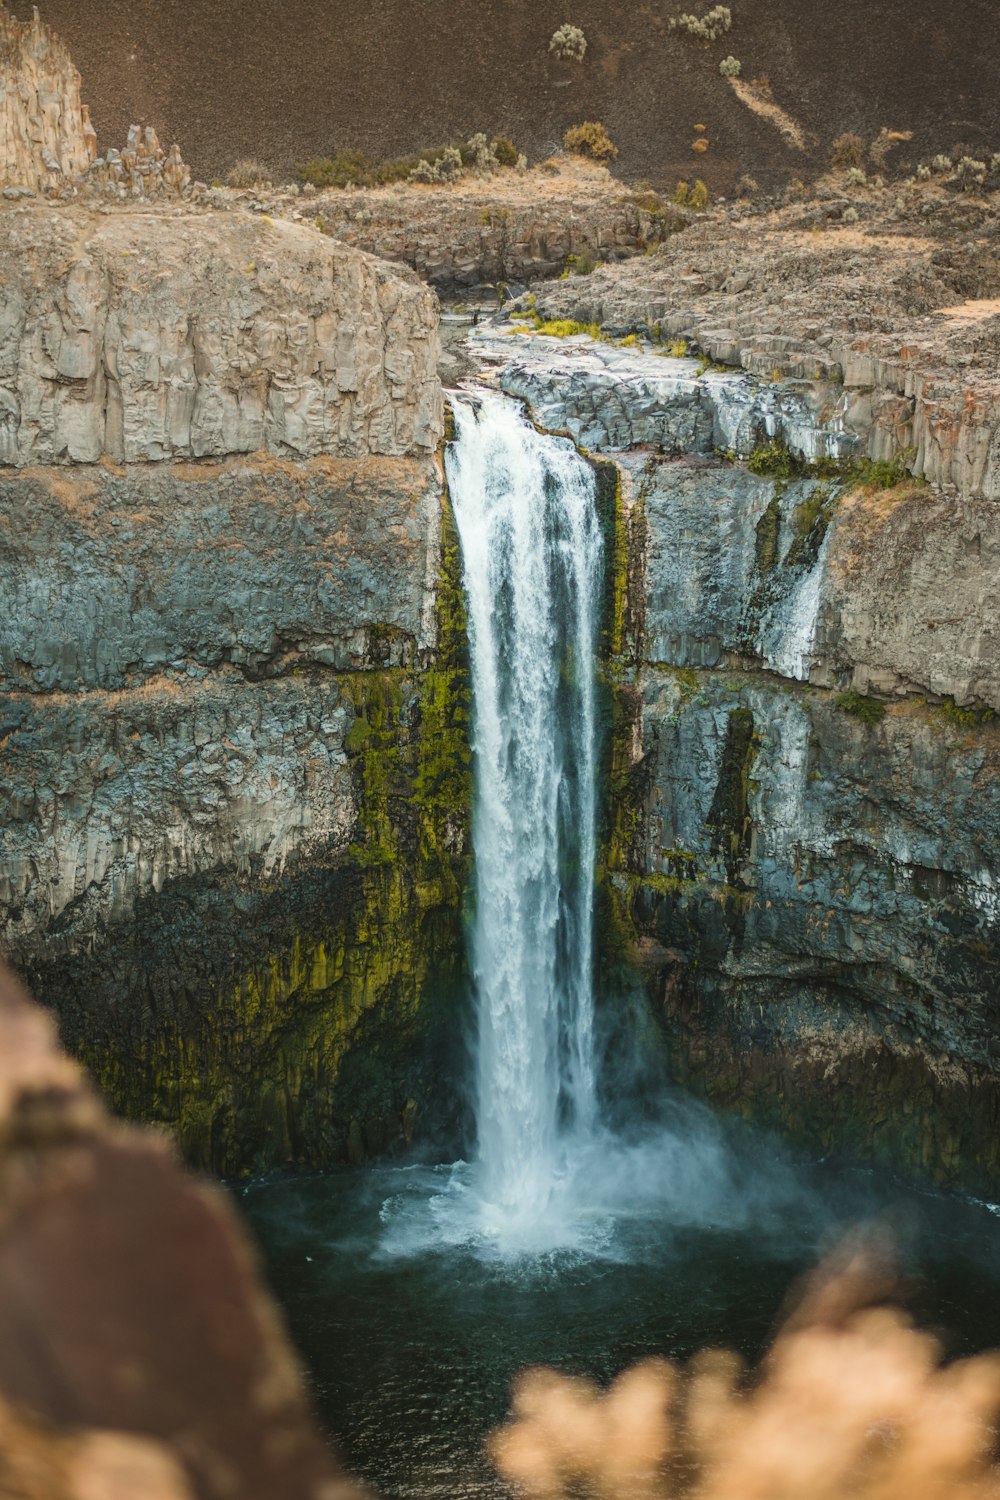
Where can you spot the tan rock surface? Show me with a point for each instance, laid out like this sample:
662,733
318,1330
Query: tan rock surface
154,336
129,1300
45,132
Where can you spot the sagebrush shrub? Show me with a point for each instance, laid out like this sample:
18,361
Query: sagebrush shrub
707,28
730,67
443,168
848,150
590,139
247,172
970,173
568,43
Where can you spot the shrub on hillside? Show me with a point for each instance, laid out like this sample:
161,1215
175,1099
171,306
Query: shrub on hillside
590,139
441,168
246,173
695,197
848,150
568,44
707,28
970,173
730,67
505,151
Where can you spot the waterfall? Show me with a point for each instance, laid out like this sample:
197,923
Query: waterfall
532,556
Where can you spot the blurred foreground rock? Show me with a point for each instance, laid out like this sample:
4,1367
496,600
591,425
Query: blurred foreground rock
140,1357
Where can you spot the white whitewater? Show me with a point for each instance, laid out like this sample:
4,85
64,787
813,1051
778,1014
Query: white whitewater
525,508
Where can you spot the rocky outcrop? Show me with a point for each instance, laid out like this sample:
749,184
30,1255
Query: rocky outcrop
46,137
234,763
609,397
139,1351
142,169
47,142
814,574
148,338
483,228
897,319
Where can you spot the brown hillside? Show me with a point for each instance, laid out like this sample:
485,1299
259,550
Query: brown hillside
286,79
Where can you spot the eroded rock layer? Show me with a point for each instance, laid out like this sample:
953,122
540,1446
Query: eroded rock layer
147,337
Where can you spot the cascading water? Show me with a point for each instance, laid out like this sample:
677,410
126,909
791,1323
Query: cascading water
525,507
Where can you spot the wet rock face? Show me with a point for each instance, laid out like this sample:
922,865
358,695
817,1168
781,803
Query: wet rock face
810,876
156,337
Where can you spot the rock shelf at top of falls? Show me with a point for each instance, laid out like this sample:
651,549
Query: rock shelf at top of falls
613,398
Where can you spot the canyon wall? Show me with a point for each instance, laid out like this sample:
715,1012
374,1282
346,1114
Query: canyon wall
232,670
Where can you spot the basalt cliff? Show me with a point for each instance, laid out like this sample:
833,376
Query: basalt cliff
232,723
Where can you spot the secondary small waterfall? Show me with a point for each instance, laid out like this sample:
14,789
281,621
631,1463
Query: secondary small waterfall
525,507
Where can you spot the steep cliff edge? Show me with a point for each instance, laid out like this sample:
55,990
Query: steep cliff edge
232,674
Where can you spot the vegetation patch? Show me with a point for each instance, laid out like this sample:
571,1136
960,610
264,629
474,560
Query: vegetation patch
868,710
437,164
568,44
707,28
970,716
590,139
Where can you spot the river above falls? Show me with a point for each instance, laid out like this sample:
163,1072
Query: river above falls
412,1338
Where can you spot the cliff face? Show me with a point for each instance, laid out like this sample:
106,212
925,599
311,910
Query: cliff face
804,760
144,338
807,875
232,674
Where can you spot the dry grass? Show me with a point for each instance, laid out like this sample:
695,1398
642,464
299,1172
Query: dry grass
763,104
851,1401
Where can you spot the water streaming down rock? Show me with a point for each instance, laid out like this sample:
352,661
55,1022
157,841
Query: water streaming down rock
525,507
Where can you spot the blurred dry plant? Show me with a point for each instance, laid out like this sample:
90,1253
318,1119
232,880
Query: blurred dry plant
851,1401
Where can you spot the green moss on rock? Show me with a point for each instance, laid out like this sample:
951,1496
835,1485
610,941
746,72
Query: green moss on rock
311,1017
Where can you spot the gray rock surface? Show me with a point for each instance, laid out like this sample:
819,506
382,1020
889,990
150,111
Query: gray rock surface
902,310
609,397
109,796
149,337
113,577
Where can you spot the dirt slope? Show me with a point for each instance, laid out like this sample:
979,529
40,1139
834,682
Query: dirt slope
286,80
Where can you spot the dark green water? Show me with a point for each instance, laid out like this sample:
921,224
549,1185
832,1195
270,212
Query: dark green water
413,1322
